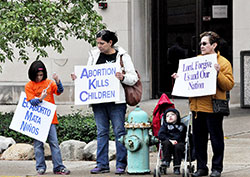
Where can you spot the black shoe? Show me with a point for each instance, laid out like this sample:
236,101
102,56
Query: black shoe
177,171
98,170
215,173
165,164
200,172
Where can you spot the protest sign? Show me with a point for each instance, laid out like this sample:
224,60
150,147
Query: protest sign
96,84
196,77
33,121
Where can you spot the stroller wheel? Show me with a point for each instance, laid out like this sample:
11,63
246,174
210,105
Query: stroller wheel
163,170
191,169
185,173
155,173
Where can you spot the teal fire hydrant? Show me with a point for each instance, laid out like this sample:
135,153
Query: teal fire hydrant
137,141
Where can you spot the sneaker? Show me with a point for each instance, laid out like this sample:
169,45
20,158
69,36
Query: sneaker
200,172
98,170
63,171
40,171
120,171
215,173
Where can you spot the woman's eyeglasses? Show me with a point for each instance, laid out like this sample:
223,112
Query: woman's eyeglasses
203,43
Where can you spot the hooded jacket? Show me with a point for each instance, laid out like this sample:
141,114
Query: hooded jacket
172,131
163,104
130,78
225,82
34,90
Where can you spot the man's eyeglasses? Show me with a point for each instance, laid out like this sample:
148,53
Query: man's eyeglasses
203,43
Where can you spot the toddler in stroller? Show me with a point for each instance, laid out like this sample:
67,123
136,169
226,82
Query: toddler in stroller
172,136
187,154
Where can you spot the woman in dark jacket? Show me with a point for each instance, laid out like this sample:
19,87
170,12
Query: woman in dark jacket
172,135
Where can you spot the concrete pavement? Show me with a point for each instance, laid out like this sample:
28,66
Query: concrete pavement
237,147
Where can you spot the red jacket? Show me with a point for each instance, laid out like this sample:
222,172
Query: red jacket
163,104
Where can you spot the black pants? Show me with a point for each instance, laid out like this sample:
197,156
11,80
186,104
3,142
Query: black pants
176,150
203,125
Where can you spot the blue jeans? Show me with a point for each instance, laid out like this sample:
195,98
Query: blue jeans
55,151
104,113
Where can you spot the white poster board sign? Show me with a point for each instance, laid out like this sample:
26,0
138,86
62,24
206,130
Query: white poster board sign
96,84
196,77
33,121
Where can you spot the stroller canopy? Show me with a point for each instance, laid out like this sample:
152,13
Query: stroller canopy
163,104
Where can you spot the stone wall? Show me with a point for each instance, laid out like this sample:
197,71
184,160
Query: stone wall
9,94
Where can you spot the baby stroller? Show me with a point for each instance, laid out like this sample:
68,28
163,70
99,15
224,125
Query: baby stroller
188,153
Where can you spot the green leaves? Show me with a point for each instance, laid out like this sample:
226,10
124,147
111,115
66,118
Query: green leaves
45,23
77,126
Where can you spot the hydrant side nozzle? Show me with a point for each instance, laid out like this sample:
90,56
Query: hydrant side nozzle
121,139
130,143
153,140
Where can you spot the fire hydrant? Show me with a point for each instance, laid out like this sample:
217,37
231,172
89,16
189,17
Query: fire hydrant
137,141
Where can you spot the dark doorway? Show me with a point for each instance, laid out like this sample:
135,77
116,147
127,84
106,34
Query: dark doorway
176,26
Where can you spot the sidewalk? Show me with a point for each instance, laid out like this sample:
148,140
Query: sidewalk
237,147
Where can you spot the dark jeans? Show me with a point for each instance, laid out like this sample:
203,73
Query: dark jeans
203,125
176,150
104,114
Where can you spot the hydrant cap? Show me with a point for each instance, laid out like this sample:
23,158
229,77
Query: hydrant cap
138,116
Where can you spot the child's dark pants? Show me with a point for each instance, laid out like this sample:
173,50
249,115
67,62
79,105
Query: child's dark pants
176,150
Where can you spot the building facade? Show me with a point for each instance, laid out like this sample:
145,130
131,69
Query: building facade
147,29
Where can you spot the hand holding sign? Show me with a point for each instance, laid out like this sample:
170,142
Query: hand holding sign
196,76
217,67
119,76
73,76
33,121
174,75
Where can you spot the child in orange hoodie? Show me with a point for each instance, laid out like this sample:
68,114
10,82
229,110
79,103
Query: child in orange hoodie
40,88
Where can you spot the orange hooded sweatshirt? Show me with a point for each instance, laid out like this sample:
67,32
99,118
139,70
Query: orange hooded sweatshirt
34,90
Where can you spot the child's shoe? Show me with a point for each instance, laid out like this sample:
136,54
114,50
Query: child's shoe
63,171
40,171
177,171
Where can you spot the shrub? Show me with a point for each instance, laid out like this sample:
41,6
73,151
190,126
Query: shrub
5,131
78,126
